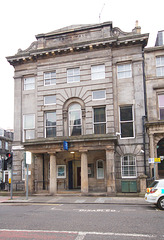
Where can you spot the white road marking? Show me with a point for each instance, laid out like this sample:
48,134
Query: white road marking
80,201
98,210
100,200
81,234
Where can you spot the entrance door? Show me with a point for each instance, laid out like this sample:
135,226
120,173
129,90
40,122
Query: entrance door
70,175
78,177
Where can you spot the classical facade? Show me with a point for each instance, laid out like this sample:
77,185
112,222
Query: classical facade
79,108
154,68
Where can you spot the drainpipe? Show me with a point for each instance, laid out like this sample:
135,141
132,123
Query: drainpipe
145,116
43,173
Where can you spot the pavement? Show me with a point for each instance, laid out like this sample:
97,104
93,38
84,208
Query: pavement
72,199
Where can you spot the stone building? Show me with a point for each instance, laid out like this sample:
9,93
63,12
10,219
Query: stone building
79,107
154,68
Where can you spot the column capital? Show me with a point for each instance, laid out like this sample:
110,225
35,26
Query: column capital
52,153
83,151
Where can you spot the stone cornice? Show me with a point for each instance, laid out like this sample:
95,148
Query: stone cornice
39,53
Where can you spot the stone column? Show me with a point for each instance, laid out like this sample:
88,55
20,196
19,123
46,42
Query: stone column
53,174
84,172
110,172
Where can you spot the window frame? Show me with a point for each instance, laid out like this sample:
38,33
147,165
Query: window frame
124,71
49,78
23,170
94,72
128,166
45,126
49,96
25,129
58,176
99,122
73,75
128,121
99,177
95,99
6,145
0,144
160,66
25,88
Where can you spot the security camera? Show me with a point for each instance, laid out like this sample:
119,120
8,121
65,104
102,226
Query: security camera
142,151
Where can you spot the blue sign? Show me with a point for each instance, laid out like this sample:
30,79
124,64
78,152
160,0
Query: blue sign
65,145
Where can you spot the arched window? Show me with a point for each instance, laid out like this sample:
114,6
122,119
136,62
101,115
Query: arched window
75,120
128,166
100,169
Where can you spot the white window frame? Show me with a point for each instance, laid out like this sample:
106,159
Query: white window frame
2,132
132,121
48,77
99,122
29,83
49,97
25,129
0,144
123,71
159,66
45,117
59,166
128,166
72,76
98,98
99,177
98,72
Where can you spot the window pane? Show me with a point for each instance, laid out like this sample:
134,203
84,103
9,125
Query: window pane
128,169
98,72
124,71
162,114
50,99
50,78
51,119
127,129
75,130
50,132
98,94
75,120
161,100
29,134
100,128
100,169
29,121
29,83
99,115
73,75
126,113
